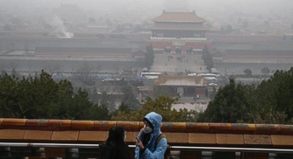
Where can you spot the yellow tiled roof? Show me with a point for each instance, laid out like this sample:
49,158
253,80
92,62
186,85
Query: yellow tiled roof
179,27
189,17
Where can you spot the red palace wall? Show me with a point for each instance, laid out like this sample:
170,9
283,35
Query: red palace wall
195,45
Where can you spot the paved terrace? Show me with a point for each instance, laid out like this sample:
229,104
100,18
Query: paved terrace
31,132
178,63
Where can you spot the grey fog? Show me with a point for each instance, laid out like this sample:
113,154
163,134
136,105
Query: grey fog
96,44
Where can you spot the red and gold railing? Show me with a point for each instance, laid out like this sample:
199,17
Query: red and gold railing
178,133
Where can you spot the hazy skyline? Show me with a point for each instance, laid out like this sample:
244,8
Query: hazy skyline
261,6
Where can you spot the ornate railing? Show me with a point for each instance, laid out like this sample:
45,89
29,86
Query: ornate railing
44,138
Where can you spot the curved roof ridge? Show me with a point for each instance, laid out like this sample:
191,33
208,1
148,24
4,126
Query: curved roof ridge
187,17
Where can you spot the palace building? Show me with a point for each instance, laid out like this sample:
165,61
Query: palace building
178,32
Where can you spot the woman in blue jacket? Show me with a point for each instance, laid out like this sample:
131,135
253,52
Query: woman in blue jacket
146,146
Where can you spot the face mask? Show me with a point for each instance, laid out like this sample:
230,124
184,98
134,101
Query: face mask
147,129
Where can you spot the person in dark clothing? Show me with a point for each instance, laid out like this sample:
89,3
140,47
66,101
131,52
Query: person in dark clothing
115,147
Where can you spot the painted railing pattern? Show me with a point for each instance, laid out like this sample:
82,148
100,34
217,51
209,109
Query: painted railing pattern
30,132
230,128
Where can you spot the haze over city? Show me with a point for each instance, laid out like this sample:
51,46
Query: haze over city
218,74
96,44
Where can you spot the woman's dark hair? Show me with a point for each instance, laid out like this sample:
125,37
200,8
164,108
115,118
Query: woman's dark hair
116,136
115,148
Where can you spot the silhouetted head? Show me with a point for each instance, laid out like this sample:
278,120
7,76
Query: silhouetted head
116,136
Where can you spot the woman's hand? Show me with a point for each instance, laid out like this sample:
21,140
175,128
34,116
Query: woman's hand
139,143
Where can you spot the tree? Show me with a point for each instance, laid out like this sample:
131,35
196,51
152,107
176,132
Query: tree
84,74
106,102
41,97
149,56
13,73
207,58
93,95
213,93
274,99
98,112
265,70
161,105
123,108
26,98
247,72
129,98
80,105
230,105
270,102
104,99
265,110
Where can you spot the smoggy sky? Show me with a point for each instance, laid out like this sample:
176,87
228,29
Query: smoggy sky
244,5
218,9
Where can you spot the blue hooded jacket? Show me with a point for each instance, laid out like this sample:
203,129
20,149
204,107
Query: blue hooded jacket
152,150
